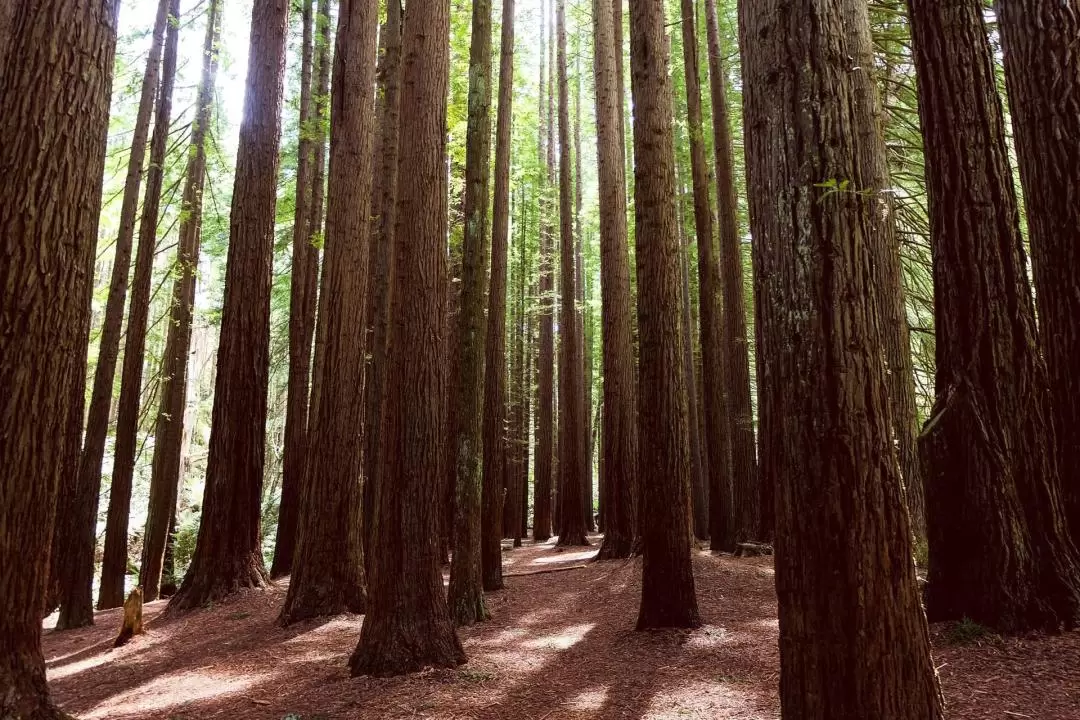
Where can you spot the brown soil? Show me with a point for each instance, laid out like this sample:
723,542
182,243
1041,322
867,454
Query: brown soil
561,645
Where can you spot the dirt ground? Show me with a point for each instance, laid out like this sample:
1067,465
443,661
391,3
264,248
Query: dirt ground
560,645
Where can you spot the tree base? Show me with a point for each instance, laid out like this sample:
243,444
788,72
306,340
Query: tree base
469,608
573,539
616,548
211,585
321,601
395,647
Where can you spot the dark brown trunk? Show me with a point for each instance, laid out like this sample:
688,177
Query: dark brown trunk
618,439
166,475
584,331
999,552
408,624
301,325
1042,73
57,105
328,571
820,216
228,555
667,587
571,369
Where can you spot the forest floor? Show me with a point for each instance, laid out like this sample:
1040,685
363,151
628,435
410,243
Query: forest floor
560,645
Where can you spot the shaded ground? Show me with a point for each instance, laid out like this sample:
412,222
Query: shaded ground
561,645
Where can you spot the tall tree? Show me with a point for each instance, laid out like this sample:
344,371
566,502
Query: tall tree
745,488
819,213
667,587
301,314
408,623
500,460
618,445
478,512
714,398
584,327
543,473
328,571
169,426
57,105
75,548
999,553
571,368
1042,74
227,554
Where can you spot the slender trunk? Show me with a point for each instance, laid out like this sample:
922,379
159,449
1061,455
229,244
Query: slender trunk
228,555
166,474
584,331
57,105
667,587
408,624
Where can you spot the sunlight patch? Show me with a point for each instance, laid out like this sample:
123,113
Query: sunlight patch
74,668
708,636
590,700
561,641
171,690
566,557
701,699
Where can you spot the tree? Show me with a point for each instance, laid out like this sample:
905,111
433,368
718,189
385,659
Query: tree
1042,74
328,571
499,461
545,392
819,215
408,624
571,367
169,426
618,446
667,585
228,554
999,553
584,333
301,315
745,488
57,105
478,512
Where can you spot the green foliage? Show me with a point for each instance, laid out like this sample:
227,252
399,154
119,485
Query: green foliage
969,632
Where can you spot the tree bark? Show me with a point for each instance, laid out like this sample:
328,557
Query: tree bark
999,552
408,624
228,555
667,587
1042,74
820,216
584,327
165,475
57,105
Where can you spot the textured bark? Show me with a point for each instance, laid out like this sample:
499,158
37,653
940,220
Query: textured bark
382,247
301,317
57,104
501,461
618,444
546,363
408,624
745,488
328,571
477,513
165,476
715,401
228,555
844,572
572,436
75,565
1042,74
584,326
667,587
999,552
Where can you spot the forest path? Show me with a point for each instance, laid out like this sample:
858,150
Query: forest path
559,646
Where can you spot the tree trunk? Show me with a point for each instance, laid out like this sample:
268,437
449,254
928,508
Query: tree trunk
408,624
618,443
584,330
745,488
57,105
999,553
571,368
546,363
228,555
819,217
478,519
667,586
715,401
301,318
328,571
382,252
166,475
1042,74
